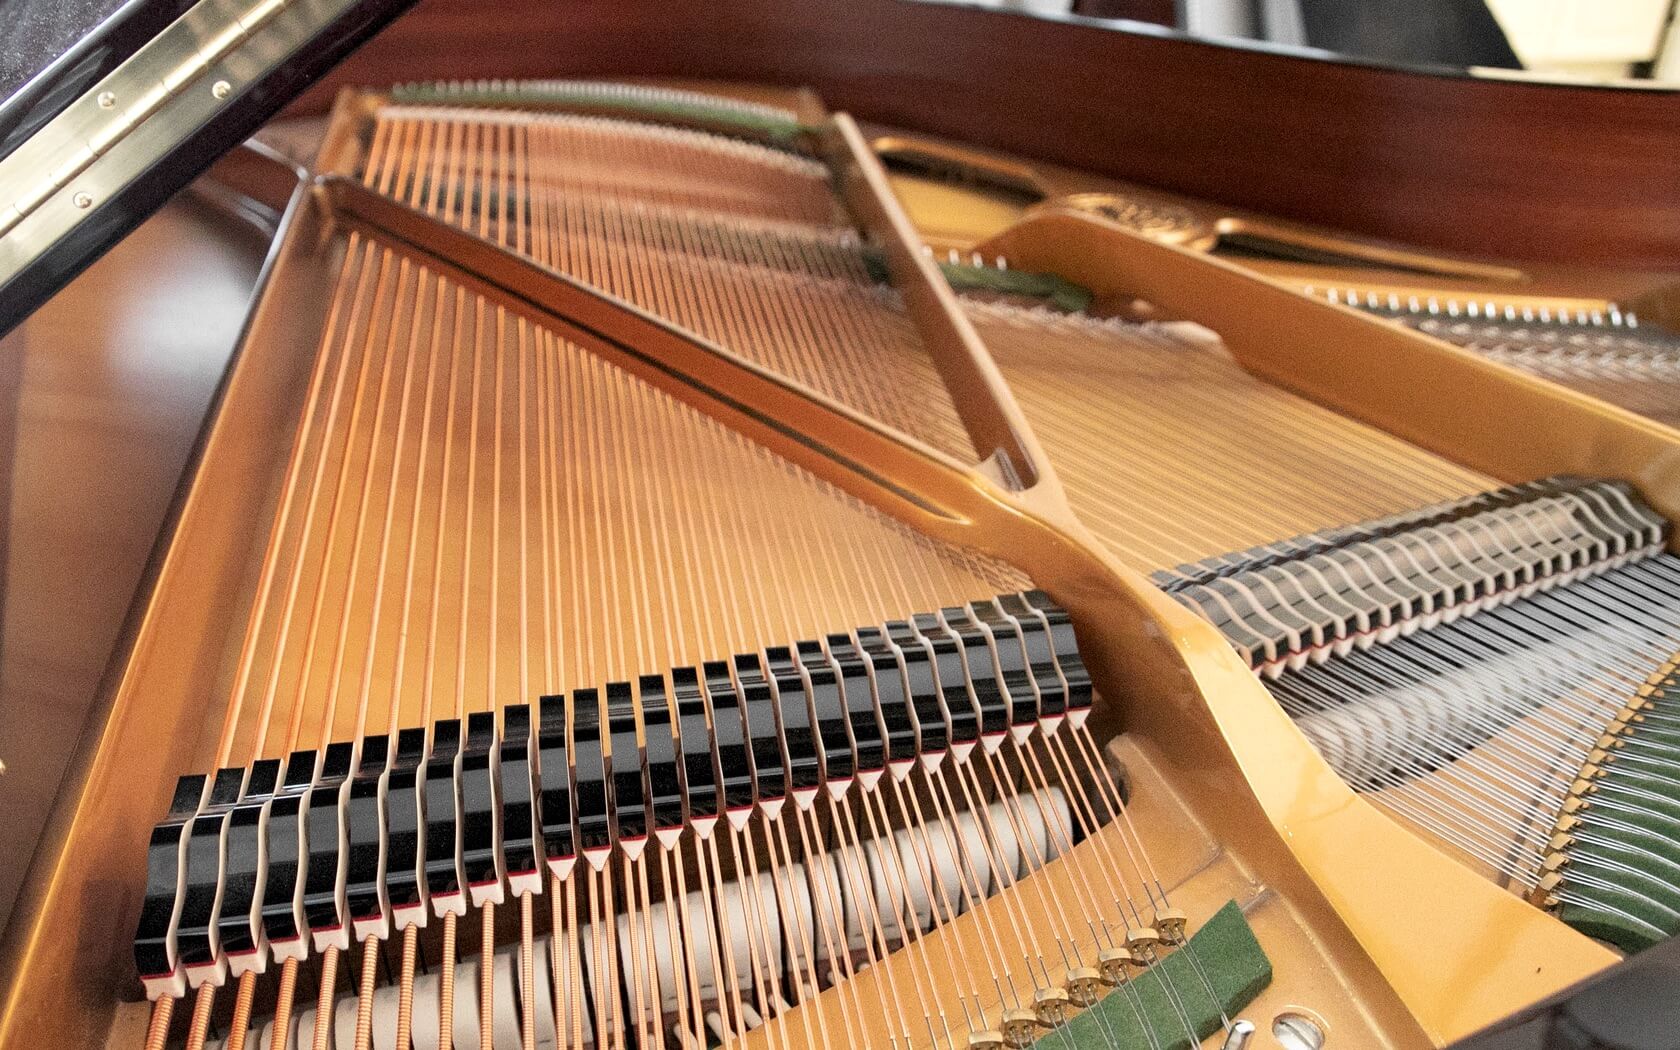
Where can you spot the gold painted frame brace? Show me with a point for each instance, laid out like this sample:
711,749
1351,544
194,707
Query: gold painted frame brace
1460,951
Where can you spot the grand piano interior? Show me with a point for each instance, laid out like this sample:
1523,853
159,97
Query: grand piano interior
791,525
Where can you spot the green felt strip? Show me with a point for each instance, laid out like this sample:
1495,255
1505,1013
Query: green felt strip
1637,789
1616,918
1659,897
1660,845
1618,790
1059,292
1664,728
1642,825
1648,774
1665,697
1647,763
1654,734
1667,690
683,112
1235,965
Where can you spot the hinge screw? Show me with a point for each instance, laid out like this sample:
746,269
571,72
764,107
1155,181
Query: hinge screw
221,88
107,99
83,200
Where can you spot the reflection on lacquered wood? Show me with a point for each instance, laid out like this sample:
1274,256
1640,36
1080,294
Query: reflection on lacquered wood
102,394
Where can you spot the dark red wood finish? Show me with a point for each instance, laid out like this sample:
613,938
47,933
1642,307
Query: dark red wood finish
1161,12
1520,171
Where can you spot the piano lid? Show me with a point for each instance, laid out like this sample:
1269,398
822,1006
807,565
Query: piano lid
136,108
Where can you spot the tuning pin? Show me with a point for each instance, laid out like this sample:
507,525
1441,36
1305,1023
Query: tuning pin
985,1039
1239,1035
1085,985
1019,1028
1112,964
1171,923
1051,1006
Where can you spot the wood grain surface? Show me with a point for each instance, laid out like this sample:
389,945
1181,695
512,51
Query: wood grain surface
102,393
1519,171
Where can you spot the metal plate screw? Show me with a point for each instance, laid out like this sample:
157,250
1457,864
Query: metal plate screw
107,99
82,200
221,88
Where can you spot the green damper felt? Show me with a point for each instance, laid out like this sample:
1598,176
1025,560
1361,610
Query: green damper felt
755,125
1638,795
1654,735
1057,291
1657,846
1628,932
1235,965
